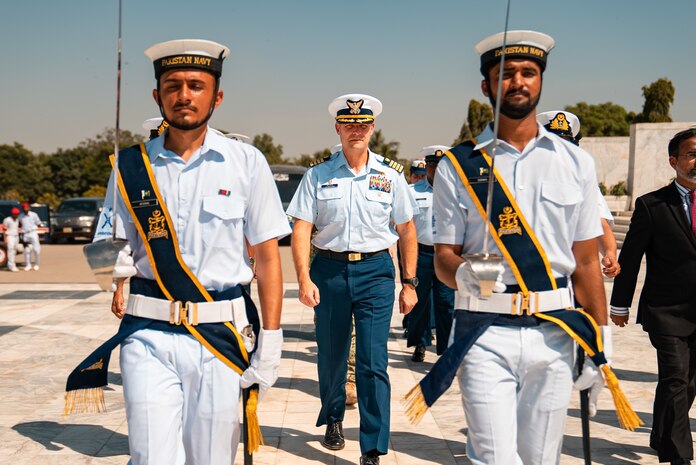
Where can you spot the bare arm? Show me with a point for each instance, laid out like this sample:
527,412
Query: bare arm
447,260
608,249
587,280
270,282
301,235
408,245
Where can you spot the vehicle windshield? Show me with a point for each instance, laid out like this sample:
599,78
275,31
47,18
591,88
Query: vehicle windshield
287,184
86,206
5,210
42,211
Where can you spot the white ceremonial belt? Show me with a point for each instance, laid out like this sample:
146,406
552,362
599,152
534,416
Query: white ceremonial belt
176,312
517,303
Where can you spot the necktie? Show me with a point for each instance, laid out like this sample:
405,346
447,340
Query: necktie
692,199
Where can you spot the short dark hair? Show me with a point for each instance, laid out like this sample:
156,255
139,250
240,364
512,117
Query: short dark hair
673,147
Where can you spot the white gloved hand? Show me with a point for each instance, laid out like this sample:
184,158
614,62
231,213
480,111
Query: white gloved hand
591,377
263,369
468,282
124,264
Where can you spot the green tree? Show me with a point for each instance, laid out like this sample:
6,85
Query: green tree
604,119
307,160
272,152
478,116
96,190
379,145
21,173
659,96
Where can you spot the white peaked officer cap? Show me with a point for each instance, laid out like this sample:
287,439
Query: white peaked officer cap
561,122
239,137
188,53
529,45
418,166
355,108
432,152
155,126
336,148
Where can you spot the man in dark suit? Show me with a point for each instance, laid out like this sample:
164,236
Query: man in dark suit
663,227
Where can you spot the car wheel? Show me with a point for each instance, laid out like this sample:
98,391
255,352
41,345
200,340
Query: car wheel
3,256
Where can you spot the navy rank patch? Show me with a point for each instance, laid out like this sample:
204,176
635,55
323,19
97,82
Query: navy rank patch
319,162
398,167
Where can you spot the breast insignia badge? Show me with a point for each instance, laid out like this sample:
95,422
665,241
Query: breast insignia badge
509,223
156,229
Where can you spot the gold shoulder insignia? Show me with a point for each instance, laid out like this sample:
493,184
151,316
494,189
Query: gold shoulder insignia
319,162
398,167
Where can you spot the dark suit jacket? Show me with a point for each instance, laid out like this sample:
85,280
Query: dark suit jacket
660,230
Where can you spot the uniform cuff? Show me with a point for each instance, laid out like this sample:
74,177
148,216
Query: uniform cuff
619,311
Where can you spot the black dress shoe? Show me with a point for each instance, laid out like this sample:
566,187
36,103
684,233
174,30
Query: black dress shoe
418,354
369,459
333,439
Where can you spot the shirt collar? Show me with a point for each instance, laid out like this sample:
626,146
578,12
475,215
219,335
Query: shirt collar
683,191
213,145
374,161
486,137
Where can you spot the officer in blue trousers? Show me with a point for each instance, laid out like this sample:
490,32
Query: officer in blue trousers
434,297
353,197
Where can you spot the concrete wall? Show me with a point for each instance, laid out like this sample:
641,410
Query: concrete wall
611,158
648,167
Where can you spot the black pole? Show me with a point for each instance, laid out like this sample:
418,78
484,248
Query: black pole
584,412
248,456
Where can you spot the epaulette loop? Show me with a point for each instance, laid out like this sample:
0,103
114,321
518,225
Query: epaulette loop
319,162
398,167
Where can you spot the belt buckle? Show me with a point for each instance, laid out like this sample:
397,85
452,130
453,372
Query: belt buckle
354,257
175,312
524,305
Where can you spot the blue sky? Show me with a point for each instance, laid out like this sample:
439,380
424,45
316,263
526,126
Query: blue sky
291,58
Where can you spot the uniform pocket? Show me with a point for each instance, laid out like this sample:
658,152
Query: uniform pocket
330,204
222,219
378,205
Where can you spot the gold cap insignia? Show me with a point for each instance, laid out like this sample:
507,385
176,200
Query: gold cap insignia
355,106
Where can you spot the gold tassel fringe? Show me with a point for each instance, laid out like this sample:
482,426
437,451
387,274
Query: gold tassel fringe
85,401
415,404
252,419
628,419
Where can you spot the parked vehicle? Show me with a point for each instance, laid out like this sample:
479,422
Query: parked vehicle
5,207
287,179
76,218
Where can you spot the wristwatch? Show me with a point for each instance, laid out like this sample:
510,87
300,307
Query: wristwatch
412,281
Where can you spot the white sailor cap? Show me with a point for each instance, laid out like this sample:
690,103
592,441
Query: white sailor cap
239,137
355,108
433,153
562,123
530,45
336,148
418,166
156,126
188,53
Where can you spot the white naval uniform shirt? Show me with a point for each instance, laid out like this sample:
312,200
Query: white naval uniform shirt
352,211
224,193
29,222
423,193
11,226
553,182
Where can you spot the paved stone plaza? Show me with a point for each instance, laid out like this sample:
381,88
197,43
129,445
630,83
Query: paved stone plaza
46,329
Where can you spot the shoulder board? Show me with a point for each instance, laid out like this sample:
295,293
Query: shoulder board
319,162
394,165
